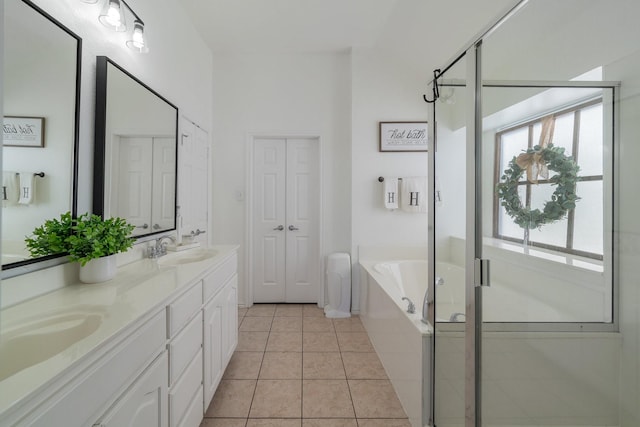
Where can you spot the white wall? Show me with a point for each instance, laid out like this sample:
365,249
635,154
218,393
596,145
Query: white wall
280,95
383,90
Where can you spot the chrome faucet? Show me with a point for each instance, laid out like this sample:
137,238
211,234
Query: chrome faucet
159,248
425,301
412,307
455,317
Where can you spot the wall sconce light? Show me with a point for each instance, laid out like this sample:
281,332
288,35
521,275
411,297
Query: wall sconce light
113,16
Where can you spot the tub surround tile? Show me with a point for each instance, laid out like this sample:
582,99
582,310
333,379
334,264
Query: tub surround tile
320,341
354,342
260,310
285,341
326,399
281,366
322,366
375,399
244,365
232,399
289,310
252,341
277,399
363,366
256,324
287,324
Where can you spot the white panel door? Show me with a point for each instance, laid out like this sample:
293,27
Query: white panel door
285,220
133,200
302,220
164,182
193,194
269,202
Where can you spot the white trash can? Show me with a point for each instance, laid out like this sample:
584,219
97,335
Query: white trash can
338,276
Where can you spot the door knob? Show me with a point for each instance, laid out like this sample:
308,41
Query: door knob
279,228
293,228
145,226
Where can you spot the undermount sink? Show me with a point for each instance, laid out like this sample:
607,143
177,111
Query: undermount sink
187,257
43,338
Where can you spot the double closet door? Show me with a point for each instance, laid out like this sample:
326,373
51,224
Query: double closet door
285,217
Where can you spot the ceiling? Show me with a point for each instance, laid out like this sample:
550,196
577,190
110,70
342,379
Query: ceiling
409,27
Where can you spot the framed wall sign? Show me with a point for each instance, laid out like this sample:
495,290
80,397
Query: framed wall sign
403,136
23,131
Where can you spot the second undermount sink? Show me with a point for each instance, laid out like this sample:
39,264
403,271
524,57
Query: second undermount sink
187,257
41,339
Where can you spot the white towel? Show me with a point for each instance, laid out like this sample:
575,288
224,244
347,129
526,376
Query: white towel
27,188
9,188
391,193
413,194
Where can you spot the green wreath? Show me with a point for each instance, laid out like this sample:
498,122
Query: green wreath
562,199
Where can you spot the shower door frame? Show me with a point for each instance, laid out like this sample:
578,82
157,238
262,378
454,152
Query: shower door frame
473,221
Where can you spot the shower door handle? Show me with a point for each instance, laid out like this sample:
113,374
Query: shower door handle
481,272
293,228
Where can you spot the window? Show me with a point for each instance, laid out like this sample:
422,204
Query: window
580,131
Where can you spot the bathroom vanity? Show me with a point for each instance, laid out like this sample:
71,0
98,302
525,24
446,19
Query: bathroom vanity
147,348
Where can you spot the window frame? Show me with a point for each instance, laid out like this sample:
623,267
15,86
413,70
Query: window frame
575,151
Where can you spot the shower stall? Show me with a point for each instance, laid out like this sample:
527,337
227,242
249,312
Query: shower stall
534,140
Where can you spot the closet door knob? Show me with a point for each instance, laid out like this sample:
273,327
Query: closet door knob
279,228
293,228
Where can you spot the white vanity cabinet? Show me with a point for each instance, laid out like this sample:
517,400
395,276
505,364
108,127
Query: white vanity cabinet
165,342
220,323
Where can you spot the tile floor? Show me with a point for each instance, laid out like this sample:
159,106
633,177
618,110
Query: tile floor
295,368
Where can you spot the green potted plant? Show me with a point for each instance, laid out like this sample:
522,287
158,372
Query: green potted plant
88,239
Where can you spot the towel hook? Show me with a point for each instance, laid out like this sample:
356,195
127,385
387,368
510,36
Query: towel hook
436,89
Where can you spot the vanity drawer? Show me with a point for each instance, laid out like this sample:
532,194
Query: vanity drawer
216,280
184,347
183,392
182,309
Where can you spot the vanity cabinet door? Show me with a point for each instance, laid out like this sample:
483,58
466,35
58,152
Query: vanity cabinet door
213,345
145,403
230,336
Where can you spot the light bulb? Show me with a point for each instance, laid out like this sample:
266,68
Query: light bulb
137,41
112,16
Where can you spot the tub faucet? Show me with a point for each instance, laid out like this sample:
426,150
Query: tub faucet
455,317
412,307
425,302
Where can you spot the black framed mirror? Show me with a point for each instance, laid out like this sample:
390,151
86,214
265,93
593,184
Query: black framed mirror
136,151
41,81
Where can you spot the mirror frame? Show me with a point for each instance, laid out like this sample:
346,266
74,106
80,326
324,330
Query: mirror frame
99,167
34,264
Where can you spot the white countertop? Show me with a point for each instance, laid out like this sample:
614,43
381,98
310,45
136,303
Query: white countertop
139,289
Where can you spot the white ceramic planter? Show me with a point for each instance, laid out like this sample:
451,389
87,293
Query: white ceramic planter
99,270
